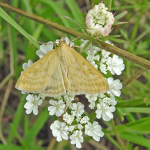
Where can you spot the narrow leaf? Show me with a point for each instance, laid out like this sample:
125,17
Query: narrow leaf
120,15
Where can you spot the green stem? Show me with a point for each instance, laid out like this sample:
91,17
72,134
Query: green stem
117,135
124,54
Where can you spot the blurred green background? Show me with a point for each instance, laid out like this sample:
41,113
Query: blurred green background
28,132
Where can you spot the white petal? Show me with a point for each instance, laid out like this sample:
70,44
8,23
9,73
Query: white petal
116,70
25,66
49,45
40,53
67,40
58,137
35,110
64,136
98,114
78,144
96,137
52,102
52,110
40,102
30,98
107,116
28,111
43,47
116,92
59,112
28,105
55,132
112,109
30,63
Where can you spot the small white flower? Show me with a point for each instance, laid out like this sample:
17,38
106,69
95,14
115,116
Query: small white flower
94,130
78,119
90,58
84,120
105,54
77,138
77,109
44,49
79,126
104,111
103,60
110,101
68,41
92,105
27,65
59,130
93,63
114,87
103,68
91,97
101,95
57,108
69,98
71,128
32,104
115,65
68,118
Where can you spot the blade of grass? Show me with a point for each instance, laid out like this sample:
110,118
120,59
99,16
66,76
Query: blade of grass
17,118
76,11
5,16
37,126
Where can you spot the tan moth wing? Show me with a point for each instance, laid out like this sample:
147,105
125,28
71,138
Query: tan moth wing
82,76
42,75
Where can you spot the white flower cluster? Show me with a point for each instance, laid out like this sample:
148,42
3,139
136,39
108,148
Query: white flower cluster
104,105
99,21
75,122
102,61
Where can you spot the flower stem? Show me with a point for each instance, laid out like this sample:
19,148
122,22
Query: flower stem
124,54
117,135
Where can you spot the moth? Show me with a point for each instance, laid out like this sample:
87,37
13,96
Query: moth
62,70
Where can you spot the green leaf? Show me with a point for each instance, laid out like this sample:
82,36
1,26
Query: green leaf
118,23
137,110
5,16
118,40
86,45
17,119
10,147
139,126
120,16
36,127
131,103
75,10
59,11
135,139
18,137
